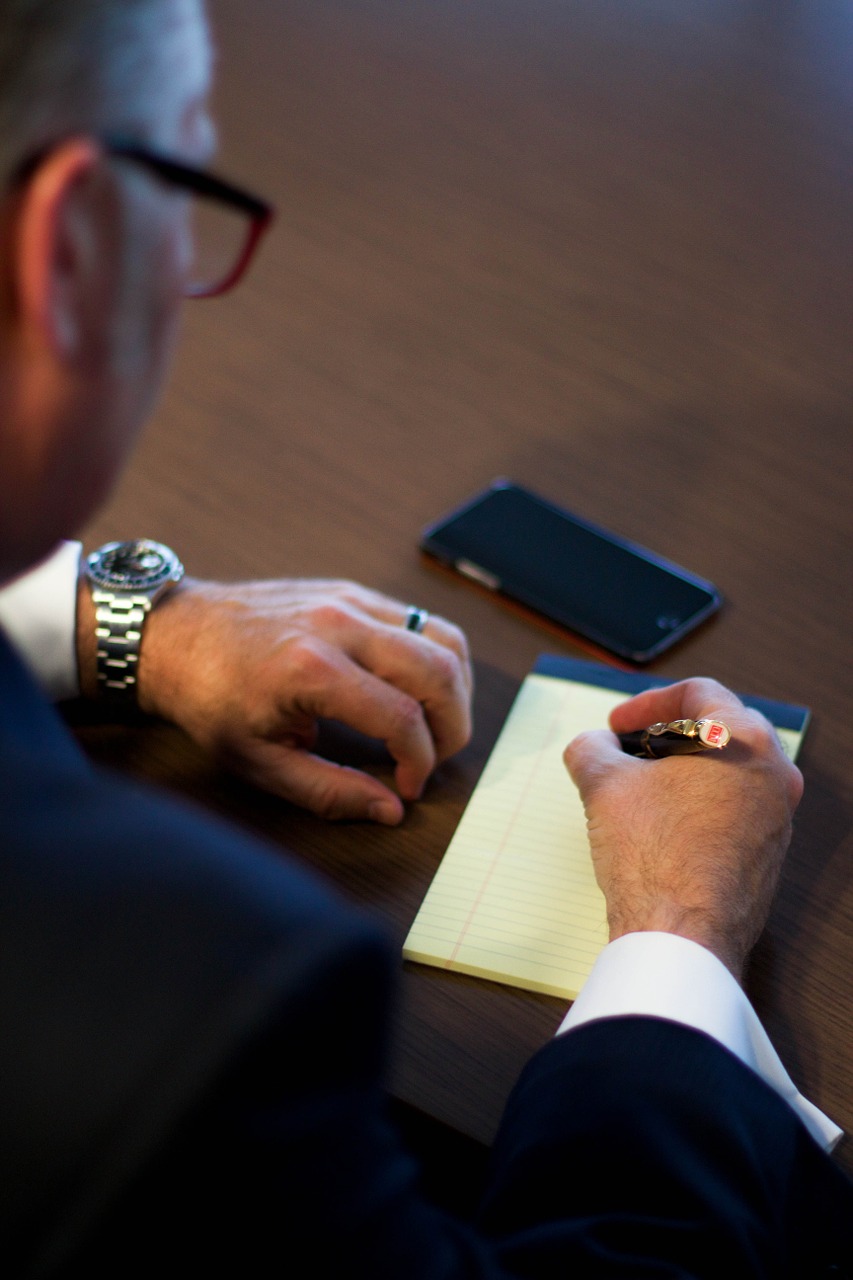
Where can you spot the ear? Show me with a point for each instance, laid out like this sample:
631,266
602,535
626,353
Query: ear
57,248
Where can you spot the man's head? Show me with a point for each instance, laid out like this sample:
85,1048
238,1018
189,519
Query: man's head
93,249
69,66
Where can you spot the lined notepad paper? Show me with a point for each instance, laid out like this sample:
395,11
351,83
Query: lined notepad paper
515,898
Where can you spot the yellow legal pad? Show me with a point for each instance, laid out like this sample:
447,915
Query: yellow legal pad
515,898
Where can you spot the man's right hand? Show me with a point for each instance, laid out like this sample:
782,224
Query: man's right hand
691,845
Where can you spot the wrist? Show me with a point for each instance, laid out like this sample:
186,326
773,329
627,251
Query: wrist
689,923
170,633
123,582
176,658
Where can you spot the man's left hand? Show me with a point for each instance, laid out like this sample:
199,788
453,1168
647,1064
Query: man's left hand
249,669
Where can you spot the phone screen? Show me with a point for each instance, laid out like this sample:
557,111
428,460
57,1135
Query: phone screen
611,591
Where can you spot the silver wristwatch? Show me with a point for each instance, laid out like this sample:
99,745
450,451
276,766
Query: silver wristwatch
128,578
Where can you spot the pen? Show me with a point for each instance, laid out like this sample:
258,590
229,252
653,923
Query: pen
676,738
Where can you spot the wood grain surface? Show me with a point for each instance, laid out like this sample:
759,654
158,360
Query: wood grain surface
604,248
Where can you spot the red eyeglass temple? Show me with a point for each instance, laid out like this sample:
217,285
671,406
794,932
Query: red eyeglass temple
257,228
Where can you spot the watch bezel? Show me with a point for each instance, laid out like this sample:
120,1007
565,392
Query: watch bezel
101,570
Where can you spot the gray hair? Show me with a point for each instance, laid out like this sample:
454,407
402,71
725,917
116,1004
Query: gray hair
69,66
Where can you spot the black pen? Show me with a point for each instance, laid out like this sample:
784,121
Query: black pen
676,738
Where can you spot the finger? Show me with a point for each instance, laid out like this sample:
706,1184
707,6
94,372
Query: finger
593,756
394,614
752,733
690,699
334,687
358,619
437,675
330,790
440,631
693,699
428,672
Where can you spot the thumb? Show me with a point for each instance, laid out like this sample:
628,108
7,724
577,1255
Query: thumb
593,756
332,791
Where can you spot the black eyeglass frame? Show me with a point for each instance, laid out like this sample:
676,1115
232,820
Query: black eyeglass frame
189,178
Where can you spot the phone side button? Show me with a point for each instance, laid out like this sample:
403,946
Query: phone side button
476,574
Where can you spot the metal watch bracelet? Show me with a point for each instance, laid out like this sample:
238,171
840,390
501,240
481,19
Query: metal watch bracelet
119,620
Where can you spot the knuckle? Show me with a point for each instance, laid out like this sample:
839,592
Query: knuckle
330,798
445,668
408,717
708,692
406,733
330,616
796,786
454,641
310,662
717,687
709,684
576,751
759,730
457,639
350,594
350,590
326,803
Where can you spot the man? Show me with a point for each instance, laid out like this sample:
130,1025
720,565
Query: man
318,649
193,1030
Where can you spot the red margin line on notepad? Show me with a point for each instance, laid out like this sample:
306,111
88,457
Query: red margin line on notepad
485,883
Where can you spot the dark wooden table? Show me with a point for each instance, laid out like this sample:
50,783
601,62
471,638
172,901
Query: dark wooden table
602,247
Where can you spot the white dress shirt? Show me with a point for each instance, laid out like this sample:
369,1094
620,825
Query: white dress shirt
653,974
38,612
662,975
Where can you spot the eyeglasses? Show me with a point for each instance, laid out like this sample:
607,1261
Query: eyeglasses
227,222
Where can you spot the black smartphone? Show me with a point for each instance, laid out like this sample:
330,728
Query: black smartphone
614,593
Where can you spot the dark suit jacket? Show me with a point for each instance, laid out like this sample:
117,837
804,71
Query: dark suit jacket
191,1049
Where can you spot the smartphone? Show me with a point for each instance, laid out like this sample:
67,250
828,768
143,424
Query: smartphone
612,592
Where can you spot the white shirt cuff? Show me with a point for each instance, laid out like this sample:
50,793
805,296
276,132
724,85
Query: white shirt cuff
38,612
662,975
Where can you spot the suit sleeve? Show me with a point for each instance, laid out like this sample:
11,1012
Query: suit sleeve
637,1146
659,975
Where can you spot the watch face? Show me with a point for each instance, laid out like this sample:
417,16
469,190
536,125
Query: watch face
134,566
